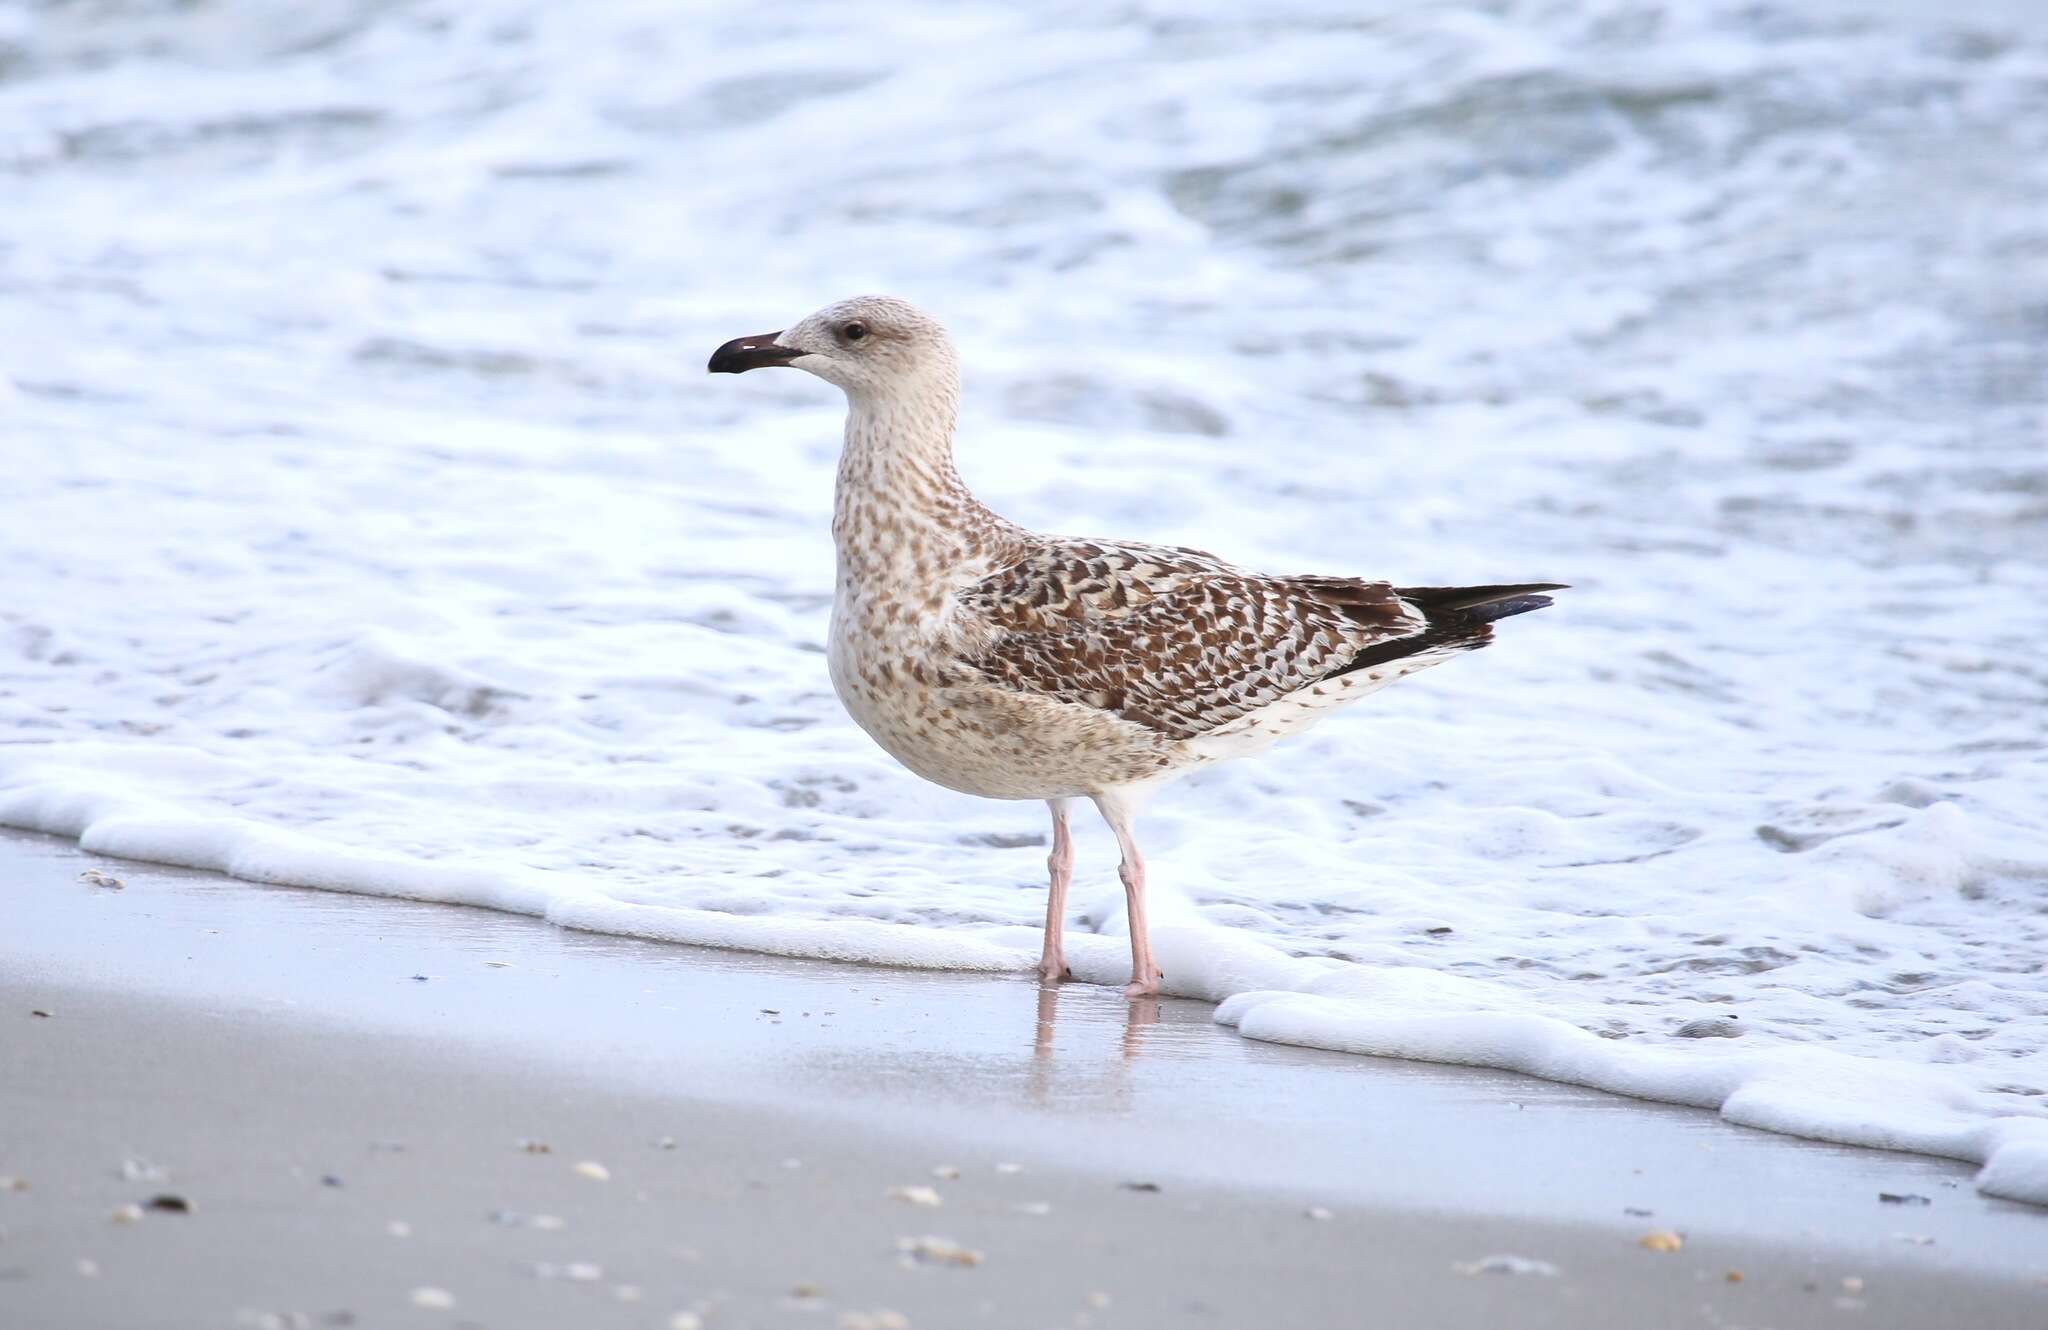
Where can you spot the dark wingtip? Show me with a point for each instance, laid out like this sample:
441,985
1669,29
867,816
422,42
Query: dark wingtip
1501,609
1457,619
1432,599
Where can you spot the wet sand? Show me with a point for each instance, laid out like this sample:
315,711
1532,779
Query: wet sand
352,1094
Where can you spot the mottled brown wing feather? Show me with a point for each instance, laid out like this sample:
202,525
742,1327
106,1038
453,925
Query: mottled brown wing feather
1172,639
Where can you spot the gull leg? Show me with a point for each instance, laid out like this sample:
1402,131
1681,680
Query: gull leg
1145,975
1052,964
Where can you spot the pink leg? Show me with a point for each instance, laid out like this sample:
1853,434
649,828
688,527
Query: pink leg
1052,964
1145,975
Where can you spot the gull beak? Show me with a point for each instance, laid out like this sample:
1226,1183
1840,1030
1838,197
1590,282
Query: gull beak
744,353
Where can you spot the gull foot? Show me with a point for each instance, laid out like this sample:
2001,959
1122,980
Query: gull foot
1053,971
1138,988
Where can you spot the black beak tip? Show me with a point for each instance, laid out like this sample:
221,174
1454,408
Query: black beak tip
744,353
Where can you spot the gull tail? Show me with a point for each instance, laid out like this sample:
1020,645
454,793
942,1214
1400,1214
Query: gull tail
1456,618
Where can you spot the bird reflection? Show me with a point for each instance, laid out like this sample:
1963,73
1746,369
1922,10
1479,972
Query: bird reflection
1048,1015
1140,1015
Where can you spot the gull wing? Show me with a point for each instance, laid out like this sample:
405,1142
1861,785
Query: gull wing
1174,639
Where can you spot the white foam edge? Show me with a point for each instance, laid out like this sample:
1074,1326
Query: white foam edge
1796,1090
130,828
1803,1090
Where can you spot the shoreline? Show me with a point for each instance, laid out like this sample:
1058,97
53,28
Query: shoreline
1266,995
253,1040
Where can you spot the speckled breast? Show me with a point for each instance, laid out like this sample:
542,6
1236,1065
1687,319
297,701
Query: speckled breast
944,722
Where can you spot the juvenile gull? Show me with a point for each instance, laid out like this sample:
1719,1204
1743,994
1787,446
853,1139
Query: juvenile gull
1013,665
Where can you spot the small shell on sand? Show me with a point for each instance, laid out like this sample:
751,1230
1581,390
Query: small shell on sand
686,1321
931,1250
918,1195
93,877
595,1171
1506,1265
130,1213
946,1172
1660,1240
434,1299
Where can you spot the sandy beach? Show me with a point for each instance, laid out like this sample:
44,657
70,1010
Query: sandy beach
385,1113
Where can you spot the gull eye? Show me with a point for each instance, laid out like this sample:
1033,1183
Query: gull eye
854,331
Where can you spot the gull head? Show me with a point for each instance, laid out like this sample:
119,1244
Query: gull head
869,345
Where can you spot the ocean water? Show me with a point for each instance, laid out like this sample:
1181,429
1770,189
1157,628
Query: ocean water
368,521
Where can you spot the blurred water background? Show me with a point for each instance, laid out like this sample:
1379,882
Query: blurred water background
367,519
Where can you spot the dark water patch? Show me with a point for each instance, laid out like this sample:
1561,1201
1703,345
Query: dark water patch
582,170
1002,840
1079,399
67,391
94,34
1811,525
1804,454
1748,960
1645,404
1330,193
509,280
418,355
405,354
749,99
126,144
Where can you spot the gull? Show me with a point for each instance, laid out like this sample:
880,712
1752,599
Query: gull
1004,663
